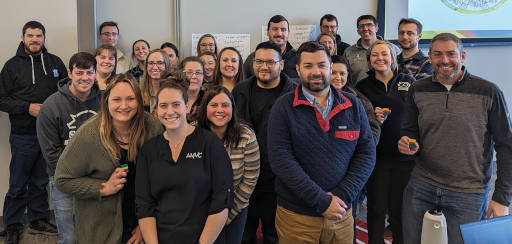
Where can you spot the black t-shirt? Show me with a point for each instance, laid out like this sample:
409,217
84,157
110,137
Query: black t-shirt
261,103
129,218
181,195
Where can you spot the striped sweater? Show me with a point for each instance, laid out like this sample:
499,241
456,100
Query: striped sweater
245,161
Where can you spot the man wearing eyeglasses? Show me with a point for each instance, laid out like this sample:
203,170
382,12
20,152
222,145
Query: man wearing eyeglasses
367,28
109,34
254,98
278,30
329,23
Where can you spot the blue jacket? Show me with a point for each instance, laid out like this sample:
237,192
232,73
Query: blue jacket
312,157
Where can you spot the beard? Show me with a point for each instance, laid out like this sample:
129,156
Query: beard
33,48
316,87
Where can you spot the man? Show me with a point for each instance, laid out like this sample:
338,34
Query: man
254,98
26,81
322,153
456,119
109,34
278,31
77,99
367,28
412,61
329,23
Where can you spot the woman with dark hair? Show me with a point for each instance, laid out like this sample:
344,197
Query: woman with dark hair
174,55
228,71
328,40
209,60
91,166
184,178
192,70
217,114
387,89
106,62
206,43
156,63
140,50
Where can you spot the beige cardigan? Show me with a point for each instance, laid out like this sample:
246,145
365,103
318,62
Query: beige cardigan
84,164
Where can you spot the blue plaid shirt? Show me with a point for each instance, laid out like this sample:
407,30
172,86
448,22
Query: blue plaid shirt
417,65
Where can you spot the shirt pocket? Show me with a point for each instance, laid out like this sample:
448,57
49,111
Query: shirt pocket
350,135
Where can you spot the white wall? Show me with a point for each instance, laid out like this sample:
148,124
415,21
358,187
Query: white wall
151,20
59,20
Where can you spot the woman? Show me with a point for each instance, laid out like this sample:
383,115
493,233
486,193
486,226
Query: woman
217,115
228,71
184,178
140,50
209,62
206,43
192,70
106,62
174,55
90,165
329,41
386,89
156,63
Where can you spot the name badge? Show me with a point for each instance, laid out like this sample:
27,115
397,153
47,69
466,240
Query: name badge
55,73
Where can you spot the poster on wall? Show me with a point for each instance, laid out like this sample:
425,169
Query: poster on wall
298,34
242,42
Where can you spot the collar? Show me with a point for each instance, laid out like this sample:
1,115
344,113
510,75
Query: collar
312,99
360,45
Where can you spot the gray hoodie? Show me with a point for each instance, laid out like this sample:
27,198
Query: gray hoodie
60,117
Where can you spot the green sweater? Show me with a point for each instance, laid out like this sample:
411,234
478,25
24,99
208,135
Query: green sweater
84,164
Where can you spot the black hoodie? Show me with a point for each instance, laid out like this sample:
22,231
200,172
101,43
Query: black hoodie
60,117
27,79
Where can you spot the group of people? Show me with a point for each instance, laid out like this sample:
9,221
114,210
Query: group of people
209,148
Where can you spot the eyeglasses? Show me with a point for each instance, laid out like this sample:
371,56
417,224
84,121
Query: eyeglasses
159,63
109,34
192,73
269,63
206,45
367,25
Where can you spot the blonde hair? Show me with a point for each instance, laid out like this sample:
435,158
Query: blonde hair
145,81
394,65
332,38
138,131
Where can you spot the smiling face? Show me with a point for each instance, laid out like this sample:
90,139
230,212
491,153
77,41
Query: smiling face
329,43
207,44
229,64
33,39
81,81
194,73
315,71
171,108
380,58
219,110
140,50
447,60
278,33
109,35
209,65
105,62
408,36
367,30
122,103
329,26
267,65
155,65
339,75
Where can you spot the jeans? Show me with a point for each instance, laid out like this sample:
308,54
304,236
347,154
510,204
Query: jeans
458,208
235,229
63,208
27,182
262,206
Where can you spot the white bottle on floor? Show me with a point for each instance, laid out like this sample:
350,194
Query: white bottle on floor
434,228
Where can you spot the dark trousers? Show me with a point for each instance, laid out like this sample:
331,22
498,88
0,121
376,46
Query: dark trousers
385,189
27,182
262,206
